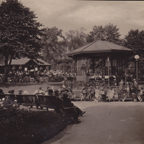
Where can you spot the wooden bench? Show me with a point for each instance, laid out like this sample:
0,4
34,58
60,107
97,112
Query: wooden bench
27,100
44,101
49,102
11,96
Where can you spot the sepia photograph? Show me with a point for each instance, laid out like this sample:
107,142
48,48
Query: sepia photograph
71,72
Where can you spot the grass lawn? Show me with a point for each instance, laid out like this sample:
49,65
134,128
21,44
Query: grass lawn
29,88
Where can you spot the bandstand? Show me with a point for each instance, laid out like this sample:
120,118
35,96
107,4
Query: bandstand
100,58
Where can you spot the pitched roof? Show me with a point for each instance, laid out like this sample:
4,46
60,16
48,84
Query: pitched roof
99,47
23,61
42,62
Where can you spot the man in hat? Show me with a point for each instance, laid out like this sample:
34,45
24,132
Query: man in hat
67,103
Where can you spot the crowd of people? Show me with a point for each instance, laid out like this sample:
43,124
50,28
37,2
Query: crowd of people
21,76
103,92
63,94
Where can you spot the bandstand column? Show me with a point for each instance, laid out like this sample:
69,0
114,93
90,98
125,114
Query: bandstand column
108,61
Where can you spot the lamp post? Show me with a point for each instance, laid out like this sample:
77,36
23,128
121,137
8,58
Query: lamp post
137,58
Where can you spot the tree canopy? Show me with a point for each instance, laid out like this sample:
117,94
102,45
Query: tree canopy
135,41
109,33
75,39
53,44
19,31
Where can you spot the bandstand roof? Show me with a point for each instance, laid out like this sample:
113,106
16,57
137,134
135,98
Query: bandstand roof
99,47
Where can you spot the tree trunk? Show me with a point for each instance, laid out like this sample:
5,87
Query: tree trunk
5,70
5,73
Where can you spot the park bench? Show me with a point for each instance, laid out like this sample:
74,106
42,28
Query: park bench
27,100
44,101
49,101
11,96
57,104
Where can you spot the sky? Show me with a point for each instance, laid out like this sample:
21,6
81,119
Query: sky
74,14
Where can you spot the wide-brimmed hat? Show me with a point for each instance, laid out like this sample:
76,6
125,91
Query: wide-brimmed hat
63,86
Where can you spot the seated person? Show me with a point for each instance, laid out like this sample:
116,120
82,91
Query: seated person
110,94
64,89
11,91
84,93
39,91
70,93
20,92
140,94
1,91
97,94
67,103
25,92
46,92
50,92
56,93
91,93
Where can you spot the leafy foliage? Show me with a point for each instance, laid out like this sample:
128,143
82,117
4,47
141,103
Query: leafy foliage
20,32
135,41
53,44
75,39
109,33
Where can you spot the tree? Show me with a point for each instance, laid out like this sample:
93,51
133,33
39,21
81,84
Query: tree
98,33
109,33
135,41
53,44
19,31
75,39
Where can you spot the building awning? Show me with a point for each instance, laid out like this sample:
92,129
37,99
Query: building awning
99,47
24,61
21,61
